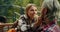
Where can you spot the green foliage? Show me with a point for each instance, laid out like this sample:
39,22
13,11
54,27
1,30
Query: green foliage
9,7
59,0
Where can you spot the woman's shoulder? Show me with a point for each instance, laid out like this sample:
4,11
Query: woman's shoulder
23,16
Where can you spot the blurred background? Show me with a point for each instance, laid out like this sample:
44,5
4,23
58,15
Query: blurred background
12,9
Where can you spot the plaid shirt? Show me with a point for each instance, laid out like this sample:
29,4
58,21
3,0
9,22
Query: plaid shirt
51,28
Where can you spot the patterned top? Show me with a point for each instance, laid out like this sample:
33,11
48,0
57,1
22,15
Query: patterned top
25,24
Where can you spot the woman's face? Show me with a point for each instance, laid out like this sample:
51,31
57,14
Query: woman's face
32,11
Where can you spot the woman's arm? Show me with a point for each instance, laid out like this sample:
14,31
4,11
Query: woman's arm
15,24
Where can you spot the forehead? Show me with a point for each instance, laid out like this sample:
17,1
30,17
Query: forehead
33,7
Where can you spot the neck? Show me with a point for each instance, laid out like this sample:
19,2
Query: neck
31,18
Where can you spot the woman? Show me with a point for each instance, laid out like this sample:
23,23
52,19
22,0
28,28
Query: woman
26,22
48,15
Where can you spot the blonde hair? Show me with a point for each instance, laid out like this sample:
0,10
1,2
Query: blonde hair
28,7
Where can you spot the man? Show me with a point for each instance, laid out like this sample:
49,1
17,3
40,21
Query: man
48,14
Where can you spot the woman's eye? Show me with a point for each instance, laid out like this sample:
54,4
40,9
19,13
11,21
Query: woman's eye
35,10
32,10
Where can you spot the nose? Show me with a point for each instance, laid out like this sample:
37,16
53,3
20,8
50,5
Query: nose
34,12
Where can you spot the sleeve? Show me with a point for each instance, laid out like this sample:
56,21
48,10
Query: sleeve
15,24
22,25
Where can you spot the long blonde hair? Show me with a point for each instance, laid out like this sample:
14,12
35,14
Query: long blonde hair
28,7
